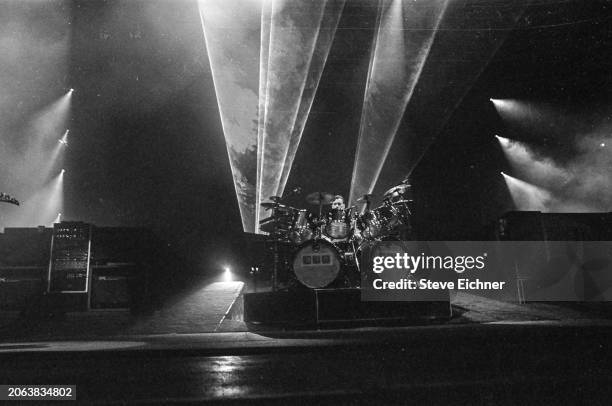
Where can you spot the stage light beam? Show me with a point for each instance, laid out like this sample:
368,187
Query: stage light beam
503,141
264,61
55,200
41,208
398,59
233,54
533,167
64,139
52,119
527,196
467,38
324,38
296,55
507,107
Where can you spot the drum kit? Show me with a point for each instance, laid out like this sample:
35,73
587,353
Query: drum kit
325,245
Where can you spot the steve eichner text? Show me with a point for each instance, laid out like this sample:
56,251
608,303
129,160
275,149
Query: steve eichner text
426,284
413,263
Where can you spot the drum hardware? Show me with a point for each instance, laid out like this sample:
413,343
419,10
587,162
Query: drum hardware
301,229
278,225
367,199
280,219
320,199
374,223
354,246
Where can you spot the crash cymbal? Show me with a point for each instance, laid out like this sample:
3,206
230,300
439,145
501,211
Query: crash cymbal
319,198
399,189
365,198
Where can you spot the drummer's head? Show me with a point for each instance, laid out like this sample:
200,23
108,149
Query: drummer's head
338,203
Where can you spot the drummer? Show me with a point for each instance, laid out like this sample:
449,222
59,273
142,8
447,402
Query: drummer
339,204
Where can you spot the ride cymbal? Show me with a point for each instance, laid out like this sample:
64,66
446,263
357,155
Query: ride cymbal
319,198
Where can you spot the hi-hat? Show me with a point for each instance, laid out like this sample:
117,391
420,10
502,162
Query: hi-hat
319,198
276,206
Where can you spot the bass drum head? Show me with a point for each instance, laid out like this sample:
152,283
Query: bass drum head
316,264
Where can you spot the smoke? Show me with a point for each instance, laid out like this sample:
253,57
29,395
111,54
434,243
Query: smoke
582,183
534,167
590,179
34,43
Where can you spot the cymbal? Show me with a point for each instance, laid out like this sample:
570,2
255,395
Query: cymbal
318,198
365,198
275,199
272,205
399,189
268,205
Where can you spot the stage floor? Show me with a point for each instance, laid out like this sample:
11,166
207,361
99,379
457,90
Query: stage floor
206,309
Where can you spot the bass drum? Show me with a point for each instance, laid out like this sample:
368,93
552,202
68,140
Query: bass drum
317,263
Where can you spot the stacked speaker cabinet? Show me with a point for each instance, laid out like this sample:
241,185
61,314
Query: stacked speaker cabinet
69,266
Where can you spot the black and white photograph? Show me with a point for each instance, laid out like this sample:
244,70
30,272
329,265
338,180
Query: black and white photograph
280,202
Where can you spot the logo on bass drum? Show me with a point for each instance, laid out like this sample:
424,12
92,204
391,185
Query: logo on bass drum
317,259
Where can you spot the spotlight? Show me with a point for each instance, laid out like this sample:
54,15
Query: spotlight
52,119
504,142
503,174
62,172
64,139
71,90
527,196
603,144
227,274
